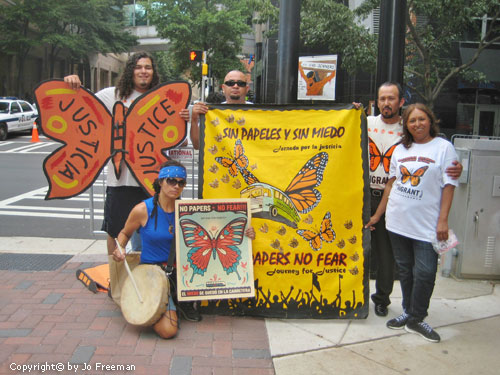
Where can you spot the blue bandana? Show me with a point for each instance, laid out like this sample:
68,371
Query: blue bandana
172,171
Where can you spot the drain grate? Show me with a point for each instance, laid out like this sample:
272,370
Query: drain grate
32,262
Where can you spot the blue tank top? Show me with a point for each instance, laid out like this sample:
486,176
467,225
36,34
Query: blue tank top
156,243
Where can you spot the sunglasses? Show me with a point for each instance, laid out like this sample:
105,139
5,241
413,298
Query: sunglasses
232,83
172,182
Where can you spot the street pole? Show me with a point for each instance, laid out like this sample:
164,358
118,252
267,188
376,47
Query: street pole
288,52
391,42
204,72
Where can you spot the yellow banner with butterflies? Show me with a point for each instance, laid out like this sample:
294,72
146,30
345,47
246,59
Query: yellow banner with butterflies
304,171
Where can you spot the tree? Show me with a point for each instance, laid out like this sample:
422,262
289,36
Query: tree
430,44
333,25
330,25
215,26
15,33
77,27
84,27
434,28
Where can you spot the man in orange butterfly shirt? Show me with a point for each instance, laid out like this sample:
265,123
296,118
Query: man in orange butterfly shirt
384,132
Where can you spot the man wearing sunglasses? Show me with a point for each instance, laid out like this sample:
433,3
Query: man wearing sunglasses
235,89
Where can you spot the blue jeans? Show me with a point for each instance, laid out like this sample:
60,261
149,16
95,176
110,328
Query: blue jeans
417,264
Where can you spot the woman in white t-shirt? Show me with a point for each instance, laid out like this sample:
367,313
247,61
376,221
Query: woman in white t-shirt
416,202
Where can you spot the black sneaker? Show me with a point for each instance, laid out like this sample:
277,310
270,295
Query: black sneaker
381,310
423,329
188,311
398,322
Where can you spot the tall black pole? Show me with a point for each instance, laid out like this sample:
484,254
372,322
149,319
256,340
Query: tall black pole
391,42
288,52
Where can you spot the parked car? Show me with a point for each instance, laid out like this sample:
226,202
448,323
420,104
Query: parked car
15,115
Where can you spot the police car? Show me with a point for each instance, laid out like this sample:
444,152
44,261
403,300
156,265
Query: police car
15,115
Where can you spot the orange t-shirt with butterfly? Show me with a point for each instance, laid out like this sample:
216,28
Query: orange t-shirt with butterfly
382,140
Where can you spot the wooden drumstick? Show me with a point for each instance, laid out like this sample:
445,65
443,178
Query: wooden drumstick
129,271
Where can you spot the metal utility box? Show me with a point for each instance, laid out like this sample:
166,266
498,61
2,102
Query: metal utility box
475,213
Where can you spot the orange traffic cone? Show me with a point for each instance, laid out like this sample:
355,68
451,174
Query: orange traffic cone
34,134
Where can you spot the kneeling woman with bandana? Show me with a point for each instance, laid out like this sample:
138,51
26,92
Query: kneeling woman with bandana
155,220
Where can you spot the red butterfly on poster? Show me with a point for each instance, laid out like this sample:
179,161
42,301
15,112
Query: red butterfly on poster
91,135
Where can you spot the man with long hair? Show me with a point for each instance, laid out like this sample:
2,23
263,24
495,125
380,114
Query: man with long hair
123,193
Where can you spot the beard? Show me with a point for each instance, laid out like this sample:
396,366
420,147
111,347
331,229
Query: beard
235,97
390,114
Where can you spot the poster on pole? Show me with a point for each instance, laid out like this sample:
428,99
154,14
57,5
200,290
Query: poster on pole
305,171
317,77
214,257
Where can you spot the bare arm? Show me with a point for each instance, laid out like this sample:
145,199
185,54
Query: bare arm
381,206
137,218
198,109
442,225
302,71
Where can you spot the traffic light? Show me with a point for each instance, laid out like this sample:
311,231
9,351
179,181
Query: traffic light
196,55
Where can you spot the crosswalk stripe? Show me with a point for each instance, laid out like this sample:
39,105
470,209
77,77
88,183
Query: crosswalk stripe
47,214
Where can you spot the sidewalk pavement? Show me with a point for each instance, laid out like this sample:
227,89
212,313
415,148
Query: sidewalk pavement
50,318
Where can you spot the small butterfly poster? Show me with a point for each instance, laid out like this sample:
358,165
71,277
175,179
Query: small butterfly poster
305,171
214,256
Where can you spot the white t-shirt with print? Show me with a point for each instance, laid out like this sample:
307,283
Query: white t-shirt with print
384,137
415,199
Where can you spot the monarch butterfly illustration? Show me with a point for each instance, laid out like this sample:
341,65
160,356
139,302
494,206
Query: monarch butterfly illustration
238,163
91,135
326,233
413,177
224,245
377,157
301,190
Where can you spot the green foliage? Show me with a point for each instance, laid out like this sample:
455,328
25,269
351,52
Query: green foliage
433,34
79,27
215,26
331,24
165,63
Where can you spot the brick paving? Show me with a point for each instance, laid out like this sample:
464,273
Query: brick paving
48,318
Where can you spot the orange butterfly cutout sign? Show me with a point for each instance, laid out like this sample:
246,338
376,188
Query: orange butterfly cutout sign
377,157
91,135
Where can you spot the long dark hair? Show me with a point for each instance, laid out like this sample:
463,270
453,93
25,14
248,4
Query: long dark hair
157,188
407,139
126,83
